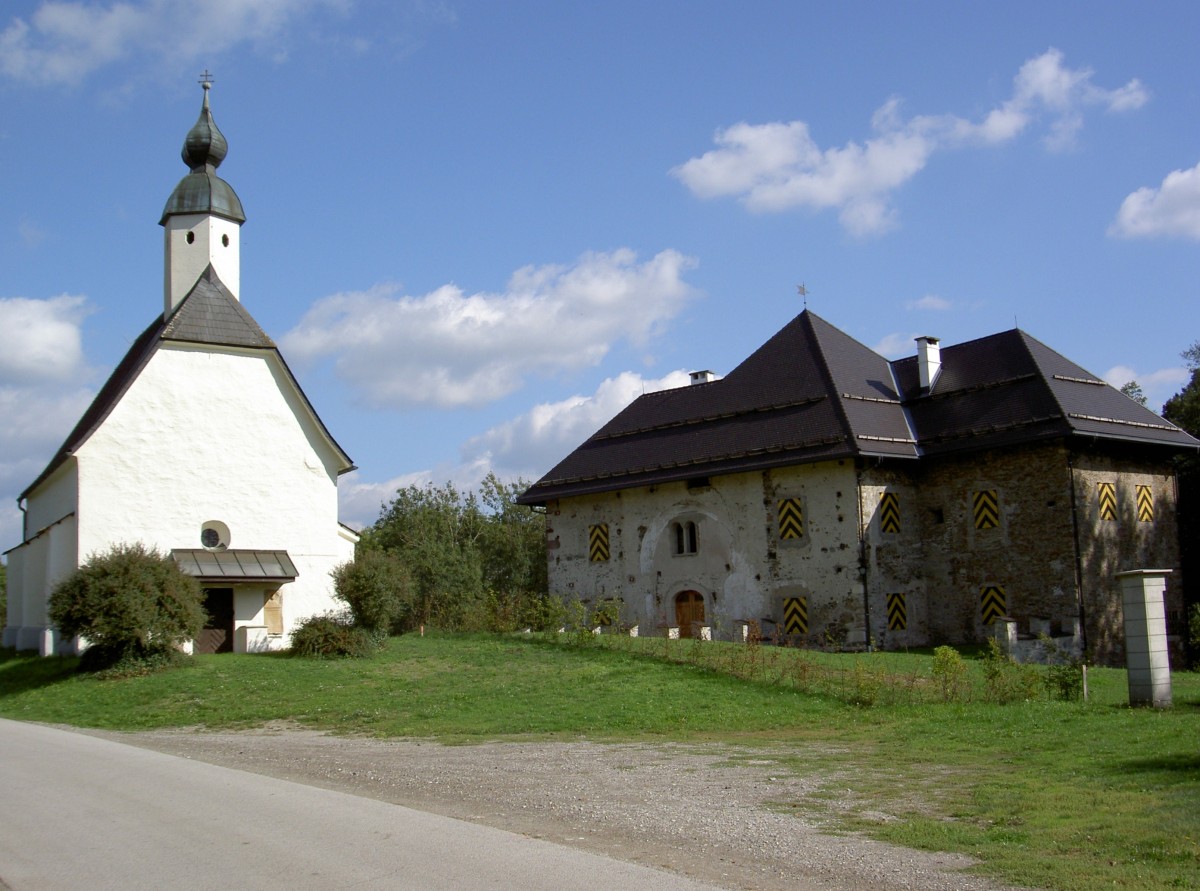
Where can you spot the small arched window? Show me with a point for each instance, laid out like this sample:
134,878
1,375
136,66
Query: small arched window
685,537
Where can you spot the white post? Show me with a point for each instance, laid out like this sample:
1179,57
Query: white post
1146,657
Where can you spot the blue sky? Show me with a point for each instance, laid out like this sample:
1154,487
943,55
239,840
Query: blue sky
477,230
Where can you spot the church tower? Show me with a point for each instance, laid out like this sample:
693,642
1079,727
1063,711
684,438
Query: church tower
203,217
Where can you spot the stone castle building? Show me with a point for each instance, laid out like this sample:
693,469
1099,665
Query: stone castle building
831,496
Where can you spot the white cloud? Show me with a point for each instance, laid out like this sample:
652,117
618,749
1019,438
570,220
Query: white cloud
931,302
30,233
43,341
42,390
1158,386
525,447
360,501
63,42
897,346
1173,209
450,349
529,445
778,166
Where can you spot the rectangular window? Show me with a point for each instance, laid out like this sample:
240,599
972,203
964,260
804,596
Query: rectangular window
791,520
889,513
1145,504
986,509
795,615
273,612
598,543
1106,494
897,612
993,604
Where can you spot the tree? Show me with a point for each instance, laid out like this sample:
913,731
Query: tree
3,594
1134,391
434,532
513,542
130,603
476,561
1183,409
377,588
513,550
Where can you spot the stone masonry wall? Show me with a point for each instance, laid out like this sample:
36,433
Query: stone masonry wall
1120,531
888,553
997,534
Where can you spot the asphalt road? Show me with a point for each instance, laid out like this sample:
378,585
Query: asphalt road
78,812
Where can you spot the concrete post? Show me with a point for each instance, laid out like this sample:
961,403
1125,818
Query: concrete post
1142,593
1004,632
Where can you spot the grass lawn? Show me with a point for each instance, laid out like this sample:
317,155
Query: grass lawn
1061,795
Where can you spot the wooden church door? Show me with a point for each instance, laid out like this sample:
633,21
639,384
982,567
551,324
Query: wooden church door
689,611
217,635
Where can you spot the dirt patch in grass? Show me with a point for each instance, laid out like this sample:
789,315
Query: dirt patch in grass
733,816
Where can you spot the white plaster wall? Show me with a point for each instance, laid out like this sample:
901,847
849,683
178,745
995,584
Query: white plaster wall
53,500
204,435
184,263
34,569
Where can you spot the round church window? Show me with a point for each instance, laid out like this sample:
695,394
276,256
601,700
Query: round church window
214,535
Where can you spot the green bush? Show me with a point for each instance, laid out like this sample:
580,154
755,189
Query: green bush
950,673
1064,672
378,589
131,604
1005,680
334,635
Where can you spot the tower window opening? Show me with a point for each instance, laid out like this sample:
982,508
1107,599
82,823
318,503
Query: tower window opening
191,237
225,240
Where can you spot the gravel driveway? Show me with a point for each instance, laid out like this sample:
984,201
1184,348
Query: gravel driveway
728,816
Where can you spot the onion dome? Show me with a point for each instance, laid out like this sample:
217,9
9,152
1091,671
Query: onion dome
202,191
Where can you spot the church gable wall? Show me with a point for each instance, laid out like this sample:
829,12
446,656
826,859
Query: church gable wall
204,435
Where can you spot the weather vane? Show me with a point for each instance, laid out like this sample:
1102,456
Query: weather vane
803,292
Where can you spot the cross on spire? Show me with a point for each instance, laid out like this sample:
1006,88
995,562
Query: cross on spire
206,79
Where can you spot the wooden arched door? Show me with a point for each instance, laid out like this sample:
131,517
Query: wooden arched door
689,611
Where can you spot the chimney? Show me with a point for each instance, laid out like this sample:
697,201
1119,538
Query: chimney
929,360
702,377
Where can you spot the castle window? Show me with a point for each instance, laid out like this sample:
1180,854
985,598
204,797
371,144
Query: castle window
986,509
1106,495
598,543
685,537
791,520
1145,504
889,513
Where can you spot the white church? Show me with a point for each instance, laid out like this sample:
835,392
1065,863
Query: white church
201,444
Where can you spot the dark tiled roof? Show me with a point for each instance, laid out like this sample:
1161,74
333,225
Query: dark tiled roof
209,315
212,315
813,393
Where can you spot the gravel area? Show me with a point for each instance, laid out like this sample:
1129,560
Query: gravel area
728,816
